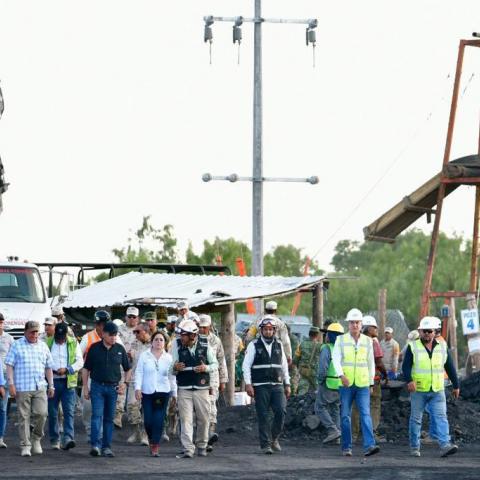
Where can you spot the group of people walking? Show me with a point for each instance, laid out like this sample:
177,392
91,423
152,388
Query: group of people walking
179,368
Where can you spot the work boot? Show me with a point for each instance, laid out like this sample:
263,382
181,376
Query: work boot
117,421
276,446
213,438
95,452
448,449
68,445
333,434
2,443
55,445
267,450
107,452
347,452
36,447
184,455
26,452
135,437
144,438
372,450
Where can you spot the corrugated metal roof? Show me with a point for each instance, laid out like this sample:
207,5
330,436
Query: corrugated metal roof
167,288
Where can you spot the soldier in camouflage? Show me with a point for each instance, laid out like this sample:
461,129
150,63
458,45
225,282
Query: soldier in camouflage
292,368
306,360
138,346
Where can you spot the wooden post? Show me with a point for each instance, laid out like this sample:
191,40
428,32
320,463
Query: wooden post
382,312
452,332
227,335
317,306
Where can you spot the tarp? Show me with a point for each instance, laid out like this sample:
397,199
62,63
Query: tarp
168,288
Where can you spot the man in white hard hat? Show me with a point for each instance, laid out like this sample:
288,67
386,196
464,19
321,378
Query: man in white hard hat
370,329
265,372
219,378
423,367
354,363
281,332
193,363
184,312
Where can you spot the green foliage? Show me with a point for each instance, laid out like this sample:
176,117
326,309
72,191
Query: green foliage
149,245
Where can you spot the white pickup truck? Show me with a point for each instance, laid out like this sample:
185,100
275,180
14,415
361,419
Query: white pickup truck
22,296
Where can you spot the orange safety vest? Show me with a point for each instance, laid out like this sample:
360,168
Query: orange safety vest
92,337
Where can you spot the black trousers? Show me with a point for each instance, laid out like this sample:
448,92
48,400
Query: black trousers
270,399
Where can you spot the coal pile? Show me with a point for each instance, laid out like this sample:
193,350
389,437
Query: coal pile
463,415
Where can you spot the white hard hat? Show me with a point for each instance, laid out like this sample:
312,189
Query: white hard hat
57,310
369,321
271,305
204,320
188,326
429,323
354,315
132,311
268,320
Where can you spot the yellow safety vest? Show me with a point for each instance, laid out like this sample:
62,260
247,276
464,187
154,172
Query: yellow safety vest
427,373
355,359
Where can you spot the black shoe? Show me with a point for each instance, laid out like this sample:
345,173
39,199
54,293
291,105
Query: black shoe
372,450
213,439
95,452
70,444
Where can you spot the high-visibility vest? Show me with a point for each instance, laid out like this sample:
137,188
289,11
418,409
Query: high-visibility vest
92,337
332,382
72,378
355,359
427,373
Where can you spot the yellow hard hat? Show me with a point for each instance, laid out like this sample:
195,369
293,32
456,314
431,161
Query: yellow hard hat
335,327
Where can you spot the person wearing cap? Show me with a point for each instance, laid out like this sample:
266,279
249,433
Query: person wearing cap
134,415
281,329
193,364
67,362
101,317
184,312
265,372
423,368
59,314
49,325
354,362
171,324
29,362
6,341
219,378
150,319
327,403
127,337
306,360
391,352
103,366
370,329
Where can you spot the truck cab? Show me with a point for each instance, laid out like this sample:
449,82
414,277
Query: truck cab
22,296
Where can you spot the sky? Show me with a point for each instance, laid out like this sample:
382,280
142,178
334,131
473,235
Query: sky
113,112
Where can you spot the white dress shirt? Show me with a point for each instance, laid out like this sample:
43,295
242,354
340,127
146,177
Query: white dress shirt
153,375
250,356
60,359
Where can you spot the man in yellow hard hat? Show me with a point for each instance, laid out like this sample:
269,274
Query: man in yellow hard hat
327,404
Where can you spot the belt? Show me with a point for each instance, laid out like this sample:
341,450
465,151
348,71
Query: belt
108,384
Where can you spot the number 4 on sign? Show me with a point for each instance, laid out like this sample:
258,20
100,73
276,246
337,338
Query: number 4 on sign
470,322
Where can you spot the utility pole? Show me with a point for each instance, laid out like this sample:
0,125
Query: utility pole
257,178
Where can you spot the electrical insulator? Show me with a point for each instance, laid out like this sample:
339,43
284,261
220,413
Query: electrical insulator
208,34
237,34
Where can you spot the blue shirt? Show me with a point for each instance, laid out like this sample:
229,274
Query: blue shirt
29,361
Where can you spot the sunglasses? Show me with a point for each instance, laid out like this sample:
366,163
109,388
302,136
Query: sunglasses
427,331
136,331
131,316
151,320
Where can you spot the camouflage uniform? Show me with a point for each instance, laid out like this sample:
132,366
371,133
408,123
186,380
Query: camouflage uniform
292,369
306,359
127,337
133,406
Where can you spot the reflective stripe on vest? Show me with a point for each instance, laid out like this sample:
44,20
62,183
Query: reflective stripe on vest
72,378
332,382
427,373
267,369
355,359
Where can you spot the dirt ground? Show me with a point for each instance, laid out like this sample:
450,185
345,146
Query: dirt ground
237,456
